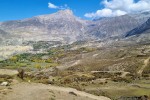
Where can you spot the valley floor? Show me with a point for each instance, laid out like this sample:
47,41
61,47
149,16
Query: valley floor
102,73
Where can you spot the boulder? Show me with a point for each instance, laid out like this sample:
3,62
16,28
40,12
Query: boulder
4,84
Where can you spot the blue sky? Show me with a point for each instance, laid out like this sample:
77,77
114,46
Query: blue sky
19,9
88,9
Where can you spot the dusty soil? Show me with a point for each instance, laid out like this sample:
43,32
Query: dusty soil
37,91
8,72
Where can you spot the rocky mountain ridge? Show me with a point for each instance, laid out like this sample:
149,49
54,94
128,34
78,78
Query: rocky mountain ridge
144,28
63,26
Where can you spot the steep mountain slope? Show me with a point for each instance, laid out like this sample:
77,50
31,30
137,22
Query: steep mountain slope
61,26
116,26
144,28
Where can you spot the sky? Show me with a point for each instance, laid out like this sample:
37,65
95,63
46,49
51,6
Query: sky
86,9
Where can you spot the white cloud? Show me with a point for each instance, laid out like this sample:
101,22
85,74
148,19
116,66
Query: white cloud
53,6
120,7
105,13
50,5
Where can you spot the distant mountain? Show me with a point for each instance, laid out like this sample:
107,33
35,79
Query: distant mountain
116,26
63,26
144,28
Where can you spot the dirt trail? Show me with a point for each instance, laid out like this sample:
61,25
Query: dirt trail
8,72
37,91
124,74
146,62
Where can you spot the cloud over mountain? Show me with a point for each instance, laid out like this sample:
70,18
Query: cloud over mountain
120,7
53,6
50,5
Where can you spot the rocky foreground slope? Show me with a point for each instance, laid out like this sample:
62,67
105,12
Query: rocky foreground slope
34,91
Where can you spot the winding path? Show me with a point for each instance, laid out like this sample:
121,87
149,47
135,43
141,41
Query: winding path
146,62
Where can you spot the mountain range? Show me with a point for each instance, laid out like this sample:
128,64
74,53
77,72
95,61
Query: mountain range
63,26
